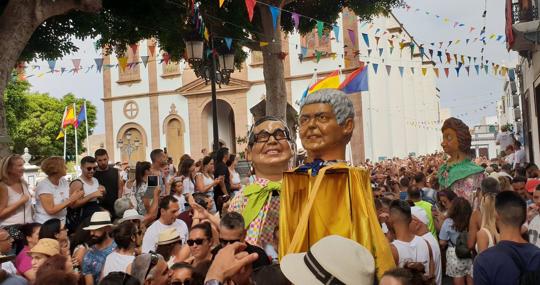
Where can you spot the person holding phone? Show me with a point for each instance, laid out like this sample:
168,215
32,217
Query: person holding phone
159,160
205,181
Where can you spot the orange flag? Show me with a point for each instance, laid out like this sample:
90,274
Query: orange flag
69,119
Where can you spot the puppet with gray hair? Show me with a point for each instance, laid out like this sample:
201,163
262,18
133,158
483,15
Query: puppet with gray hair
328,196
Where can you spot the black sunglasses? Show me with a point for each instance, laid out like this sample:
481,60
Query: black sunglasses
154,258
185,282
198,241
91,169
225,242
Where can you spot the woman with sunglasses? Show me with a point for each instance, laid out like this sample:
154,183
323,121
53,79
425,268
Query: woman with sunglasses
52,193
200,244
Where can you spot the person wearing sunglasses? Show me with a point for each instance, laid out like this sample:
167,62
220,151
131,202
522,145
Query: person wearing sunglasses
200,244
92,191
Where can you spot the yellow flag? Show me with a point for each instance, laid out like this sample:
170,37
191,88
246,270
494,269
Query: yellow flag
424,71
331,81
206,35
263,44
60,135
122,62
221,3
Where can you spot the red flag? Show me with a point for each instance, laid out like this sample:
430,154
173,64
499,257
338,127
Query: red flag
250,5
446,71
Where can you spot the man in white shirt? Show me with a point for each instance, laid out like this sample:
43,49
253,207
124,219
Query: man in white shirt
519,156
419,227
6,244
168,211
504,138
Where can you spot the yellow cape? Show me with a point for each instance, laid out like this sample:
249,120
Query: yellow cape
338,201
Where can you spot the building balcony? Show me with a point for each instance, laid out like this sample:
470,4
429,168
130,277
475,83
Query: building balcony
524,34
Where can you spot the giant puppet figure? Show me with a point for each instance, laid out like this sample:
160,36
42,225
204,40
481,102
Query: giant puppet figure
459,173
327,196
269,150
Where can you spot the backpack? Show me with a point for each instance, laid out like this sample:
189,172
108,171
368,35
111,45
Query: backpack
525,277
462,250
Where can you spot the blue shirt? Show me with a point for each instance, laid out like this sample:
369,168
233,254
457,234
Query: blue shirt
94,260
495,265
448,233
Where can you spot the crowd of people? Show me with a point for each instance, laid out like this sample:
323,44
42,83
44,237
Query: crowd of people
193,224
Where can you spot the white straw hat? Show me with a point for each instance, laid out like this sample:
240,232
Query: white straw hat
99,220
131,214
332,260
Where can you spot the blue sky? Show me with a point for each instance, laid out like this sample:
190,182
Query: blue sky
462,95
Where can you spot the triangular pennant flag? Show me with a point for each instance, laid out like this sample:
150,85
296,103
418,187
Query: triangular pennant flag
352,37
402,45
467,69
228,42
467,41
335,28
391,50
320,28
477,67
369,52
76,64
144,59
411,45
60,135
436,71
391,42
388,69
275,14
250,6
499,37
296,20
375,67
457,42
152,49
52,64
62,70
448,58
401,70
462,59
99,63
412,70
457,71
446,71
424,71
134,48
430,53
471,29
318,55
377,40
122,61
455,58
366,39
439,54
421,51
486,67
221,3
449,43
381,50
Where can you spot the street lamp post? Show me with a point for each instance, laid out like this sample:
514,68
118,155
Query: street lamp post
216,73
128,146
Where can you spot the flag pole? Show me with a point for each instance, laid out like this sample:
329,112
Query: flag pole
62,128
86,120
76,143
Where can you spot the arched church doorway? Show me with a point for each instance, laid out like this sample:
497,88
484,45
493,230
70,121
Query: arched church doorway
226,129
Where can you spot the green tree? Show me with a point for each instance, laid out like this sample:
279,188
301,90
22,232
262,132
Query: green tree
35,121
32,29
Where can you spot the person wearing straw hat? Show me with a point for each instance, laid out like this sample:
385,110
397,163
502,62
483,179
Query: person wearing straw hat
45,248
100,228
169,246
331,260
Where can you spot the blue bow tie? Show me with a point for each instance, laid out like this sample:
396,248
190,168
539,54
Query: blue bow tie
315,166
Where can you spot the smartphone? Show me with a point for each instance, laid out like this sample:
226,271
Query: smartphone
153,181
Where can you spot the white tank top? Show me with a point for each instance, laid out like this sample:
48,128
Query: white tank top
90,188
22,215
414,251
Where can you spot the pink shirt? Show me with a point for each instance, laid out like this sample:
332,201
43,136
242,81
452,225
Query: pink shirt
23,262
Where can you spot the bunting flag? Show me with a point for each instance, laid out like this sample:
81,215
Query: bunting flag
134,48
375,67
250,6
448,58
446,71
381,50
377,40
318,55
424,71
69,118
468,70
401,70
52,64
331,81
228,42
366,39
144,59
391,50
457,71
352,37
439,54
436,71
320,28
99,63
369,51
388,69
335,28
60,135
357,81
76,64
296,20
221,3
122,61
412,70
62,70
275,11
477,67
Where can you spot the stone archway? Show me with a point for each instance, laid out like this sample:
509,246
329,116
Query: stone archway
173,127
136,133
226,124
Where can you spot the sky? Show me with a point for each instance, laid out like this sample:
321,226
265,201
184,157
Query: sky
463,95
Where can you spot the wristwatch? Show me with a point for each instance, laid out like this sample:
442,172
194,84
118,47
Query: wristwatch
213,282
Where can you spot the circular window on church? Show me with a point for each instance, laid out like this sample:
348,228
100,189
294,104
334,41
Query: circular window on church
131,109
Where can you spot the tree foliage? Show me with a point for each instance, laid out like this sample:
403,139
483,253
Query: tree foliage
35,120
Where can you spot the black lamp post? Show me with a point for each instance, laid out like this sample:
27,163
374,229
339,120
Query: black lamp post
210,71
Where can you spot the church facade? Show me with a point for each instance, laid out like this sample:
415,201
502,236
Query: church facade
162,104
